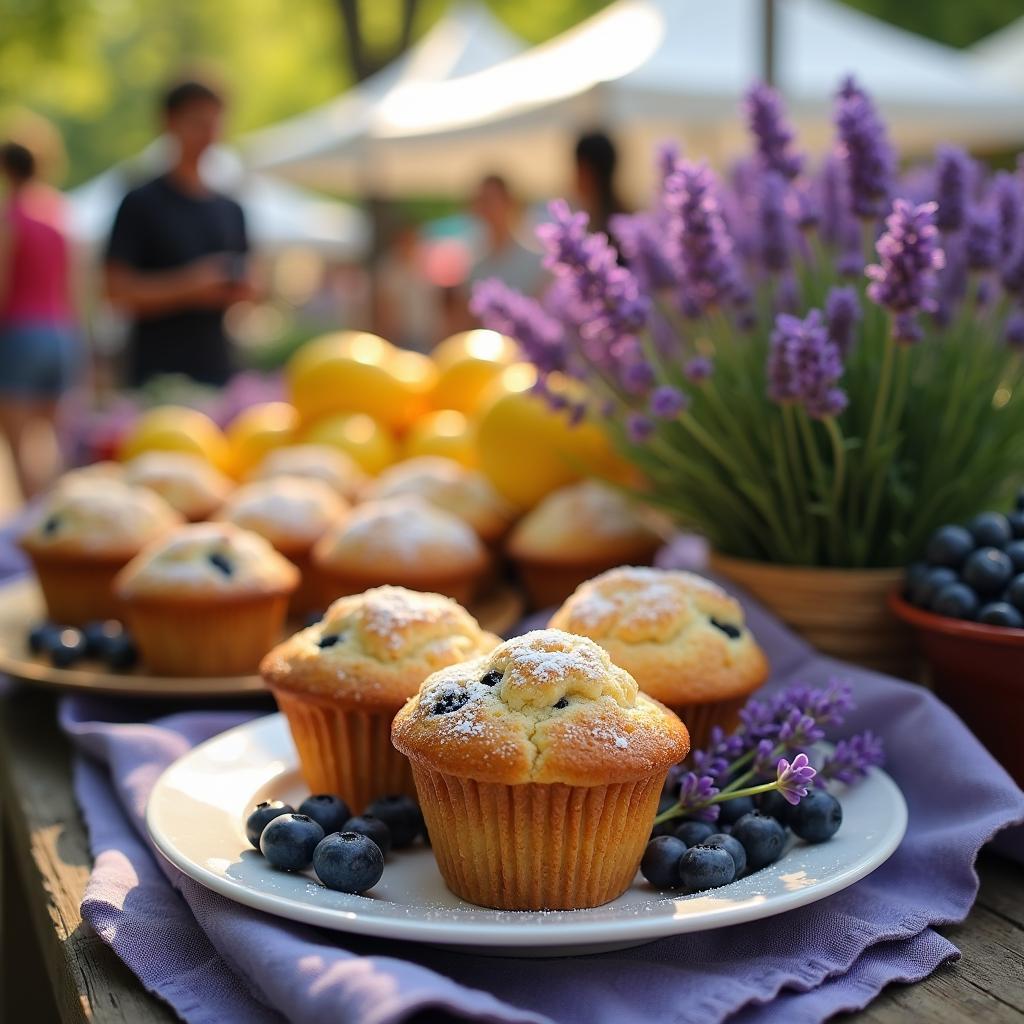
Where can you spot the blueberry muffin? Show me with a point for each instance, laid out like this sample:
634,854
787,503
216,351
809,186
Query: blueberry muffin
340,682
402,541
445,483
293,513
83,533
316,461
209,600
575,533
538,769
679,635
186,482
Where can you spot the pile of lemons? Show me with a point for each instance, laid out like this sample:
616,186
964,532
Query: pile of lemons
470,400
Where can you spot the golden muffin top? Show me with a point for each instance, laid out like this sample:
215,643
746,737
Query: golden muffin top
319,461
186,482
291,512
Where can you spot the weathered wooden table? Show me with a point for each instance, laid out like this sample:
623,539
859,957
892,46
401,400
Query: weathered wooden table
55,969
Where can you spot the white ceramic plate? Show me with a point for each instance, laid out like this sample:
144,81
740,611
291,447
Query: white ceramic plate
196,818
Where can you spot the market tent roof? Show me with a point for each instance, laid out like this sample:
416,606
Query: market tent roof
1001,55
278,214
650,69
326,146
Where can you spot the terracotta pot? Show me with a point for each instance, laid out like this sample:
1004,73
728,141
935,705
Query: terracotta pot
978,671
842,612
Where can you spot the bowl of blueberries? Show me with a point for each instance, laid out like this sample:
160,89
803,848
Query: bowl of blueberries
965,603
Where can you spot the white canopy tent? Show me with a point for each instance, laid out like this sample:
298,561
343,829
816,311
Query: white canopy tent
655,69
327,147
1001,55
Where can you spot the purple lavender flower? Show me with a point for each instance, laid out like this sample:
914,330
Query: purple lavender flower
909,257
758,720
643,247
773,136
763,764
638,427
694,793
804,364
1013,272
668,402
800,729
852,758
667,157
638,377
1007,198
793,779
728,746
507,311
842,311
954,173
827,705
981,241
773,222
698,369
1013,332
865,151
707,762
697,236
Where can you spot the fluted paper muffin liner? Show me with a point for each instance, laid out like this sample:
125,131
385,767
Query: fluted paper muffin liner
701,718
229,637
344,750
78,590
537,846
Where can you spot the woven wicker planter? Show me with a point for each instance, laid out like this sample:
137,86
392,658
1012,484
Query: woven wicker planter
842,612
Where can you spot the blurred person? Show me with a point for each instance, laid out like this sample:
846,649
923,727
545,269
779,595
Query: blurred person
176,258
39,354
407,306
595,160
504,256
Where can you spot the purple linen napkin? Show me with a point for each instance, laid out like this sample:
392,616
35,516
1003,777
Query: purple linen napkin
807,965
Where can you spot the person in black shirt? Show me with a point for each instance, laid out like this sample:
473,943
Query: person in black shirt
176,258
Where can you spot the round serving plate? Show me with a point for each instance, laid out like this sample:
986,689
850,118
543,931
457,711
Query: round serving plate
196,817
21,607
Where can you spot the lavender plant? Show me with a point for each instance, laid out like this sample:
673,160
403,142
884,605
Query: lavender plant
811,366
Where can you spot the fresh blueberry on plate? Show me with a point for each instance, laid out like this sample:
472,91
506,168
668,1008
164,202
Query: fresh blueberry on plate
694,832
706,867
730,811
99,634
987,570
660,862
288,841
734,848
956,601
41,637
990,529
775,805
1001,613
1015,592
1015,552
348,862
933,582
261,816
375,828
67,647
121,652
949,546
762,837
817,817
402,816
328,811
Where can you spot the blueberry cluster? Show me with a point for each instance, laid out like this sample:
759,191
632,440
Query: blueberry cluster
975,571
346,852
748,835
107,641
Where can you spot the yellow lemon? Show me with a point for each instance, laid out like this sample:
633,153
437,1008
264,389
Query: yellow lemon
176,428
446,432
361,436
259,429
418,376
468,364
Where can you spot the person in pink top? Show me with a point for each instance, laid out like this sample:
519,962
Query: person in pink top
39,352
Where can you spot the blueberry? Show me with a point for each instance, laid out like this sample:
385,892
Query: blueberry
730,811
121,652
374,828
328,640
956,601
1015,552
988,571
932,583
51,526
762,837
561,704
402,816
1016,521
817,817
990,529
42,637
312,619
660,863
949,546
98,636
731,631
491,678
348,862
915,576
67,647
706,867
261,816
221,562
666,828
694,832
1001,613
328,811
1015,592
732,846
289,840
776,806
450,701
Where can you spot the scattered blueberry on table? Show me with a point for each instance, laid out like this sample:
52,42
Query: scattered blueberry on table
289,840
328,811
373,827
348,862
706,867
402,816
261,816
64,646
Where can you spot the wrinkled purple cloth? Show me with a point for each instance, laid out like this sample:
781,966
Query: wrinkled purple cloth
217,962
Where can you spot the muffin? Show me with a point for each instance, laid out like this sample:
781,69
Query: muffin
340,682
85,531
90,473
404,541
209,600
293,513
319,461
575,533
680,636
538,769
445,483
186,482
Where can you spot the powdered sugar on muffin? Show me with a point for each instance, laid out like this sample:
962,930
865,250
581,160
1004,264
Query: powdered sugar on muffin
291,512
186,482
318,462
